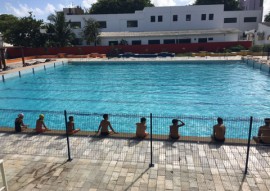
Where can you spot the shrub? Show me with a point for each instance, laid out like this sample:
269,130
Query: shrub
237,48
260,48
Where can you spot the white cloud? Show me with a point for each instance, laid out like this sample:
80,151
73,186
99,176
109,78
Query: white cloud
23,10
88,3
172,2
266,8
50,8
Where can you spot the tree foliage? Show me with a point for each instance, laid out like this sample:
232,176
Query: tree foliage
119,6
25,32
91,31
267,17
6,21
59,31
229,5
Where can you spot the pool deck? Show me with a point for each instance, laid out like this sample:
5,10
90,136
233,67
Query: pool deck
118,164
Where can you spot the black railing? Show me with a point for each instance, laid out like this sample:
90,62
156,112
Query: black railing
194,148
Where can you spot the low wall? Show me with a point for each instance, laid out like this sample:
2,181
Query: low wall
14,52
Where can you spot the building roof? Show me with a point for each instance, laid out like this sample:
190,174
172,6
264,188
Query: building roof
169,33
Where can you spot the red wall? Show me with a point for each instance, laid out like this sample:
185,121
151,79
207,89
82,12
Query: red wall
175,48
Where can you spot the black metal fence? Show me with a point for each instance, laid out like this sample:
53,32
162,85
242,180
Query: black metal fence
195,148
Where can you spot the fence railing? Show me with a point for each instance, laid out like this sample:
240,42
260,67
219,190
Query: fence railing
195,147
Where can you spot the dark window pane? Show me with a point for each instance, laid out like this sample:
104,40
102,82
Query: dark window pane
136,42
75,25
153,19
102,24
160,18
131,24
250,19
188,17
169,41
210,38
184,41
153,41
113,43
203,17
201,40
211,16
175,17
230,20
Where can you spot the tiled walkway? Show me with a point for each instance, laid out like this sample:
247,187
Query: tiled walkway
119,164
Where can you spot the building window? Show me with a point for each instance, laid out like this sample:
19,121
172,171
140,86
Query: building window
132,24
111,43
153,19
160,18
102,24
188,17
169,41
210,39
75,25
211,17
184,41
230,20
202,40
153,41
250,19
136,42
203,17
175,17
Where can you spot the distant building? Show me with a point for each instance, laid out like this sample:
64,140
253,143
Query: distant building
262,35
170,25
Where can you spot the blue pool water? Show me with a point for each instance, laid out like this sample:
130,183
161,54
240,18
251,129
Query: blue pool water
208,88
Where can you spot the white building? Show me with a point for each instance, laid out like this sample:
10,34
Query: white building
170,25
262,35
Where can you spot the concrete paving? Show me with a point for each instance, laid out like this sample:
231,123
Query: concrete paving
119,164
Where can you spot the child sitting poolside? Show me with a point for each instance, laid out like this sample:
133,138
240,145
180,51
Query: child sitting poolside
141,127
71,126
40,125
103,126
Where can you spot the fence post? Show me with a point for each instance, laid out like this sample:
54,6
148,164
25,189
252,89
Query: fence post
151,141
3,175
68,146
248,146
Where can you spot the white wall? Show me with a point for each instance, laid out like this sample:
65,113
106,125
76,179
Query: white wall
194,39
118,22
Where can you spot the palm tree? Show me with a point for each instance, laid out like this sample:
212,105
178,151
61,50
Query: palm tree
59,30
91,31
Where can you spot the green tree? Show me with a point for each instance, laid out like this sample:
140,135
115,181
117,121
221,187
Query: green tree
6,21
229,5
118,6
25,32
91,31
59,31
267,17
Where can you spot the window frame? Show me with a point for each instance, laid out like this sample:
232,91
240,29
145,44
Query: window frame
131,26
152,19
203,17
188,17
211,17
175,18
160,18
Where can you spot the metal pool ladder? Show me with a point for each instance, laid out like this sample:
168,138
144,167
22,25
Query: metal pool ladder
3,176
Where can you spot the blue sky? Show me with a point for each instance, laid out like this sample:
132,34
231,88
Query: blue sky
42,8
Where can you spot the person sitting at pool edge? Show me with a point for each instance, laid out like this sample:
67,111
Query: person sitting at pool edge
263,133
103,126
141,127
219,131
19,125
71,126
174,128
40,125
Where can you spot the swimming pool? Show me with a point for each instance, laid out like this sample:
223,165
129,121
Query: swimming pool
208,88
